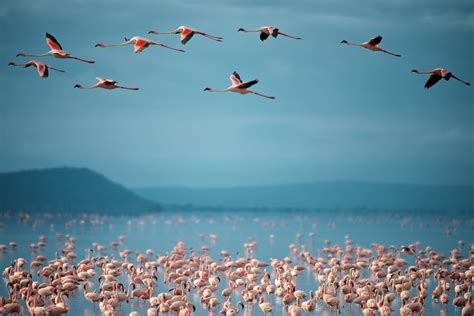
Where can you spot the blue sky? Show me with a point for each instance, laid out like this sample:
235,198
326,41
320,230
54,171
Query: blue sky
341,113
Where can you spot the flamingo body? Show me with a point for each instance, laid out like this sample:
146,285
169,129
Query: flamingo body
56,51
105,83
437,74
187,33
42,68
266,31
373,45
139,44
238,86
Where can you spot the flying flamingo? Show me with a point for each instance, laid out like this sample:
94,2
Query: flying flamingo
105,83
436,75
40,67
56,51
372,45
187,33
266,31
240,87
139,44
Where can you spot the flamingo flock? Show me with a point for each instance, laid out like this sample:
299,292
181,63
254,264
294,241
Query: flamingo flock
186,33
376,280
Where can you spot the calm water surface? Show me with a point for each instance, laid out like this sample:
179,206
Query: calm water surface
274,231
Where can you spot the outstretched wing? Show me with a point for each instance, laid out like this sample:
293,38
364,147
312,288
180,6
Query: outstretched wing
53,42
275,32
42,70
432,80
376,40
186,35
263,36
235,78
248,84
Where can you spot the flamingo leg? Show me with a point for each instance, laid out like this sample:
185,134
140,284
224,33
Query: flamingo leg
83,60
165,46
460,80
387,52
215,38
54,68
261,95
125,88
294,37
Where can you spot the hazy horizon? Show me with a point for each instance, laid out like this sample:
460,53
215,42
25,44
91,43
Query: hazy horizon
342,113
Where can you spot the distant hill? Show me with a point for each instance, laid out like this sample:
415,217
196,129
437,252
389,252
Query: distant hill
67,189
322,195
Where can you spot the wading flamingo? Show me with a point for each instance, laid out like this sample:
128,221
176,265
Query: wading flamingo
139,44
438,74
187,33
56,51
105,83
266,31
240,87
372,45
40,67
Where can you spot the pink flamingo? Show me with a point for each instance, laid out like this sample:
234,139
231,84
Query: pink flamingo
40,67
187,33
372,45
266,31
438,74
105,83
139,44
240,87
56,51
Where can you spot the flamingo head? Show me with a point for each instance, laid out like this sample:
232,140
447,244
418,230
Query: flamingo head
414,70
11,64
344,42
240,30
126,39
207,89
99,45
152,32
20,55
77,86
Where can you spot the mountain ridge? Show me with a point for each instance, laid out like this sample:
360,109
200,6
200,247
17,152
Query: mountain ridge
67,189
322,195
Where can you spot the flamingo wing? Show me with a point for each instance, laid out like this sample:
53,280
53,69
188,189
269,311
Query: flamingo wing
140,44
248,84
376,40
275,32
42,70
264,36
53,42
235,78
432,80
186,35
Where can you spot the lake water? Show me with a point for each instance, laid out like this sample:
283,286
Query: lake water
274,231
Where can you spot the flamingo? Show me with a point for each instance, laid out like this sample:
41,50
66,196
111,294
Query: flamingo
139,44
436,75
372,45
56,51
40,67
105,83
240,87
266,31
187,33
